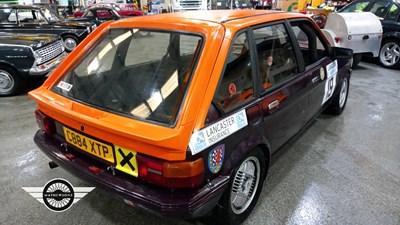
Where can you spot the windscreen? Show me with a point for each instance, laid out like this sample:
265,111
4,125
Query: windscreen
137,73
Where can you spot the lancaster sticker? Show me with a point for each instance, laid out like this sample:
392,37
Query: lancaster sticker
216,158
216,132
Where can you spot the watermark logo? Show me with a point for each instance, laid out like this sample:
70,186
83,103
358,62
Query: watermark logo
58,195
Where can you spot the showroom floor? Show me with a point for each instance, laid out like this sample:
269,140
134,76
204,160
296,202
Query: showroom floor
342,170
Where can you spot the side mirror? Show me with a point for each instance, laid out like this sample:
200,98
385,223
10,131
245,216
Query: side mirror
341,53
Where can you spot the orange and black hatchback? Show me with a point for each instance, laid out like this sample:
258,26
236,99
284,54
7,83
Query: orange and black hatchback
177,113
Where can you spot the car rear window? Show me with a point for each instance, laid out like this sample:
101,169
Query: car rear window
136,73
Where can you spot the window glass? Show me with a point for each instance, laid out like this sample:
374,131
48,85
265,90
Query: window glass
7,16
276,57
50,15
30,16
89,13
141,45
380,8
311,45
103,13
393,13
236,86
356,7
126,74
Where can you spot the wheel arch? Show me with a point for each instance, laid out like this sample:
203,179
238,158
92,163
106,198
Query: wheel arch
8,64
70,34
256,141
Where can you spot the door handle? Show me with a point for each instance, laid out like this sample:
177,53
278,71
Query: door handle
273,104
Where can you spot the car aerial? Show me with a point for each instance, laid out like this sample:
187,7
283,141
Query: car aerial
32,19
122,12
24,56
180,112
98,15
389,13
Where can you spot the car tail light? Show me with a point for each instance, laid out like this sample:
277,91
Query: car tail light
171,174
45,123
337,39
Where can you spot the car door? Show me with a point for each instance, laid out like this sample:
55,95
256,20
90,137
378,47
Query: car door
283,94
314,51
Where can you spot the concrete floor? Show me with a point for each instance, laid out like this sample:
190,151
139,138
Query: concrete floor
342,170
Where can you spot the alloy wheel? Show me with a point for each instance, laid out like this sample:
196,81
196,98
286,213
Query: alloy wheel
390,54
245,185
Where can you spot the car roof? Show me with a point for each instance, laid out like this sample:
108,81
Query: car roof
12,6
394,1
218,16
101,7
231,17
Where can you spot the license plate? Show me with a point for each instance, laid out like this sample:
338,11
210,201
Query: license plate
94,147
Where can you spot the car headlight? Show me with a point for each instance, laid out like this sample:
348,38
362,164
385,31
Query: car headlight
94,27
38,57
88,29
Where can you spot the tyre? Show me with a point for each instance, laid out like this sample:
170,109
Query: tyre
70,42
10,81
244,189
339,102
356,60
389,55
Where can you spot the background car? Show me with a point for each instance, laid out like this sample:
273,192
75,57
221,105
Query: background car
98,15
123,12
32,19
389,13
24,56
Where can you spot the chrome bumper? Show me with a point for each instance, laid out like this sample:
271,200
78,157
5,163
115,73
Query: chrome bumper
48,66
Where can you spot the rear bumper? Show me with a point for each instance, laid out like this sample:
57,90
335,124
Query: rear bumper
185,203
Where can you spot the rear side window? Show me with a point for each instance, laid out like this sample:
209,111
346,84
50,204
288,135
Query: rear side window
126,74
356,7
393,13
275,54
380,8
236,86
8,16
313,47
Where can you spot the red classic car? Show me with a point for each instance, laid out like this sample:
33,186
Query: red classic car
131,11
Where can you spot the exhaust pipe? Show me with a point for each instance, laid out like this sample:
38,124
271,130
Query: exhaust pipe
52,165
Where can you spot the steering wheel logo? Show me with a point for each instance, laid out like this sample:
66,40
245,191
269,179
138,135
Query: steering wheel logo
58,195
